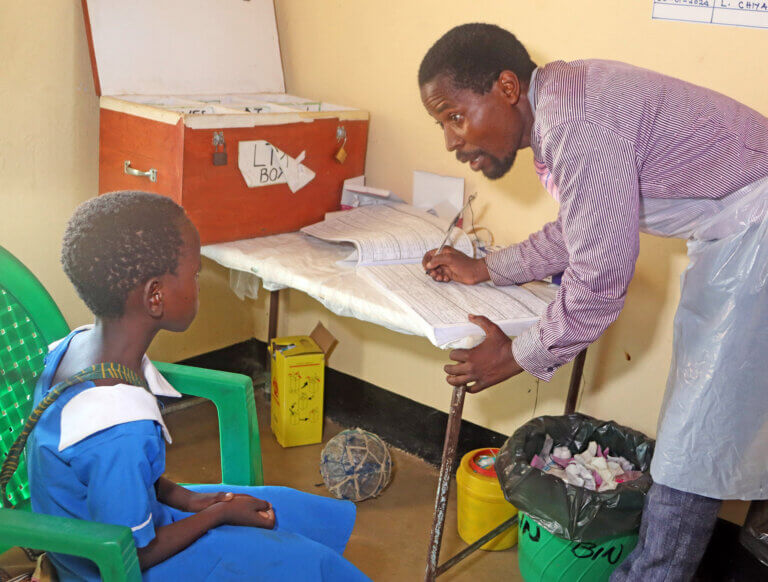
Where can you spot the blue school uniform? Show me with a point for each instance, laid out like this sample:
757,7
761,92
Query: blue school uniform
96,453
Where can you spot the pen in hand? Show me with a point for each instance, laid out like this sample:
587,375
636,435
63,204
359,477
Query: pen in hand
453,223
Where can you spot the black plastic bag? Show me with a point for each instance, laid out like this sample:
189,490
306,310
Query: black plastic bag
567,511
754,532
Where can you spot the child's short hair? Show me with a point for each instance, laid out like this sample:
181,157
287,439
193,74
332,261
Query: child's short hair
117,241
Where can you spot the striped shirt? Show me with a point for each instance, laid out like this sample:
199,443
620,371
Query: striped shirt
617,138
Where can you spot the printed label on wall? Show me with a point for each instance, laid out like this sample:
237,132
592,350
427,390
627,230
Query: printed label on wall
263,164
731,12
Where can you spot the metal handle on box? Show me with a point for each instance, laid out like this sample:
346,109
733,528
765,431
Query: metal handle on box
151,173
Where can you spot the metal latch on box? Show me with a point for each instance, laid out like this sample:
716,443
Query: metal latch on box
219,157
151,173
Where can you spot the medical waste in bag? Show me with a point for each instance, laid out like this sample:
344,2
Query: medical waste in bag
569,511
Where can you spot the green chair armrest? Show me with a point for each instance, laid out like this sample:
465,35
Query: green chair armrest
111,547
238,425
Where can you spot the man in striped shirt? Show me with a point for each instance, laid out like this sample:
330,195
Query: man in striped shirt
624,149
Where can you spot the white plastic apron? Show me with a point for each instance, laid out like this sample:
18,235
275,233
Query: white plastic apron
713,428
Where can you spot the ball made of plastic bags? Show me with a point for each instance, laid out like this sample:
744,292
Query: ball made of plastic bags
355,465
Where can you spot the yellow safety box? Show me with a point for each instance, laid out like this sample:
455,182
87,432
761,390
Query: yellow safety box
298,370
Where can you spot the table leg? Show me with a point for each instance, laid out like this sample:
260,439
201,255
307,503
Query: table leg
274,305
444,482
449,459
575,384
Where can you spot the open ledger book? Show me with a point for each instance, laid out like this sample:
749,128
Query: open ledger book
445,307
387,243
386,234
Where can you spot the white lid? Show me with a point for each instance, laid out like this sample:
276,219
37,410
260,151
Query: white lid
173,47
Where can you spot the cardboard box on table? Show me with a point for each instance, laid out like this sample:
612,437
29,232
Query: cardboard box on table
191,92
298,379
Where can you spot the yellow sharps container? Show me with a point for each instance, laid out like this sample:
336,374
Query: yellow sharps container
481,503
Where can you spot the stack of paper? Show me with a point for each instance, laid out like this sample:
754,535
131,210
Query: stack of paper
445,307
388,234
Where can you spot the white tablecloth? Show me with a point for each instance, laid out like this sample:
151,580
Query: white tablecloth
298,261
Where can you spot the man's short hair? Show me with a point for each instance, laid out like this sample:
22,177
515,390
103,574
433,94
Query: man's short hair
473,56
117,241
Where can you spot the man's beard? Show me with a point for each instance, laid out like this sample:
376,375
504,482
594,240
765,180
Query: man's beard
499,168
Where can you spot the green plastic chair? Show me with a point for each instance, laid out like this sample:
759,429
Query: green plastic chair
29,321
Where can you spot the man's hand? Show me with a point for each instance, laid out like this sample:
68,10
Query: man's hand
487,364
453,265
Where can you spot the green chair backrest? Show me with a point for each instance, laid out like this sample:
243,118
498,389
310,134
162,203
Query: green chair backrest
29,321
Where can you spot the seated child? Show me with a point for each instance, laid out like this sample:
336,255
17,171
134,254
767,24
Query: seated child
98,452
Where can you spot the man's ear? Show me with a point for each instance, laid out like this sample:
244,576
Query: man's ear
153,298
509,83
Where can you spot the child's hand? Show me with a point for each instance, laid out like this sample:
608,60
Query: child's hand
245,510
199,501
237,509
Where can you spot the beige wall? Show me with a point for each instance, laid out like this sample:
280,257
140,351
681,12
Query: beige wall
366,53
49,132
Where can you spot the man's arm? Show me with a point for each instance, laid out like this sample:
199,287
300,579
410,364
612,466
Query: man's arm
544,253
596,173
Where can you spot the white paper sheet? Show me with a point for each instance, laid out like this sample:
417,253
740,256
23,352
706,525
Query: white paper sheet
388,234
443,194
355,193
445,307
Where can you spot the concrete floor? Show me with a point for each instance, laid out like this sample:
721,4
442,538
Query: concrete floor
391,535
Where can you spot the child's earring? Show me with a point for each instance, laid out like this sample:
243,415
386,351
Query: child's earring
156,304
155,299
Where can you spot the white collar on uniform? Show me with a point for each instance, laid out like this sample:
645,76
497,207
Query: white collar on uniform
102,407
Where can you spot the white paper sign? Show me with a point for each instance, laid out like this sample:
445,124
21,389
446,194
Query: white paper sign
731,12
263,164
442,194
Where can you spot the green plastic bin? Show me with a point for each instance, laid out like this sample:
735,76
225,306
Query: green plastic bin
544,557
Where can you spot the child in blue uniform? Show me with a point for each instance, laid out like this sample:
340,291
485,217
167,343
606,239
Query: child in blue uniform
98,452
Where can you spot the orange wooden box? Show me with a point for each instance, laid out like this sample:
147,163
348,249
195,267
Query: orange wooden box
182,80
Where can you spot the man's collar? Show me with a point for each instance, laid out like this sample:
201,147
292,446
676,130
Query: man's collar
532,90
